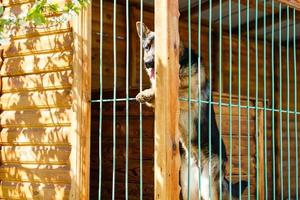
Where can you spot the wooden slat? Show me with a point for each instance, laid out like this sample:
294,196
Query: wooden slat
21,8
53,80
35,118
43,44
30,30
35,155
36,63
35,100
8,3
17,190
17,173
292,3
35,136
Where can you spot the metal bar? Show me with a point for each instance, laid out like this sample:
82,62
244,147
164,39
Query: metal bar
199,97
230,100
239,97
220,98
248,98
256,101
210,95
189,98
127,99
295,98
288,98
101,98
280,105
114,97
141,106
265,108
273,107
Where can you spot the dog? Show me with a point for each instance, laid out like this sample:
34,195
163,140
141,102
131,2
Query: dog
147,96
197,76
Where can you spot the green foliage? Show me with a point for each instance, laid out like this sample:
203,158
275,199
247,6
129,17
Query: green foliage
37,15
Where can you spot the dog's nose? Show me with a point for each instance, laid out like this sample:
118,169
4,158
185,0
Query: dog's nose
149,64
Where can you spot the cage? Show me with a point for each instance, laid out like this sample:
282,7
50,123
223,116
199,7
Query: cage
71,127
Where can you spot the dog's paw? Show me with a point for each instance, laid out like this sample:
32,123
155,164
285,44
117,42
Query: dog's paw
144,96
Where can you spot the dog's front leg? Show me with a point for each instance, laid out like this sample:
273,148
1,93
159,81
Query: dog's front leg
146,96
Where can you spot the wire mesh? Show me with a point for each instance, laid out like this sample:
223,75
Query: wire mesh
251,64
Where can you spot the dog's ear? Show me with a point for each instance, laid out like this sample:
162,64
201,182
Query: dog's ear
142,32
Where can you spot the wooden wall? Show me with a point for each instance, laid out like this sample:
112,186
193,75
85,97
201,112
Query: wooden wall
135,70
36,79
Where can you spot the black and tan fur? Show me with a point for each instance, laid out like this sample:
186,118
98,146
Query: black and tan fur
197,76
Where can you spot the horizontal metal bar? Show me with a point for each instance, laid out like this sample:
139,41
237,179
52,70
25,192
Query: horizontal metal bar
111,100
241,106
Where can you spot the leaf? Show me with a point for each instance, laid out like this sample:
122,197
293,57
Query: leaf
1,10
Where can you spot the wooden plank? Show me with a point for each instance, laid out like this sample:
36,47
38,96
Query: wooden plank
167,159
36,100
43,44
260,22
133,48
21,8
291,3
35,136
36,118
35,155
34,82
81,107
17,173
8,3
29,30
195,9
17,190
253,6
36,63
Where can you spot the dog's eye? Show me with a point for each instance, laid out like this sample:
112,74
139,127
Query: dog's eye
148,47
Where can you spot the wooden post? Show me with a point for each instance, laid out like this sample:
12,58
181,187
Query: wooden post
167,159
81,108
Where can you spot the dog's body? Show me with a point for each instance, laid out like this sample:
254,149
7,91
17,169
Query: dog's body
214,159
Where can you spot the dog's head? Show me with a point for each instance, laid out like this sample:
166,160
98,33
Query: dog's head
147,37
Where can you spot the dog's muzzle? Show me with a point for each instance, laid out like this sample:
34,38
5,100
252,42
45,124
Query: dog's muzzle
149,64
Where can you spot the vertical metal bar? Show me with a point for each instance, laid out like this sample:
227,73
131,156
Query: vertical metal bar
141,108
114,97
239,96
265,108
230,101
248,98
256,101
127,98
295,98
220,97
273,107
210,103
280,104
101,98
189,97
199,97
288,96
